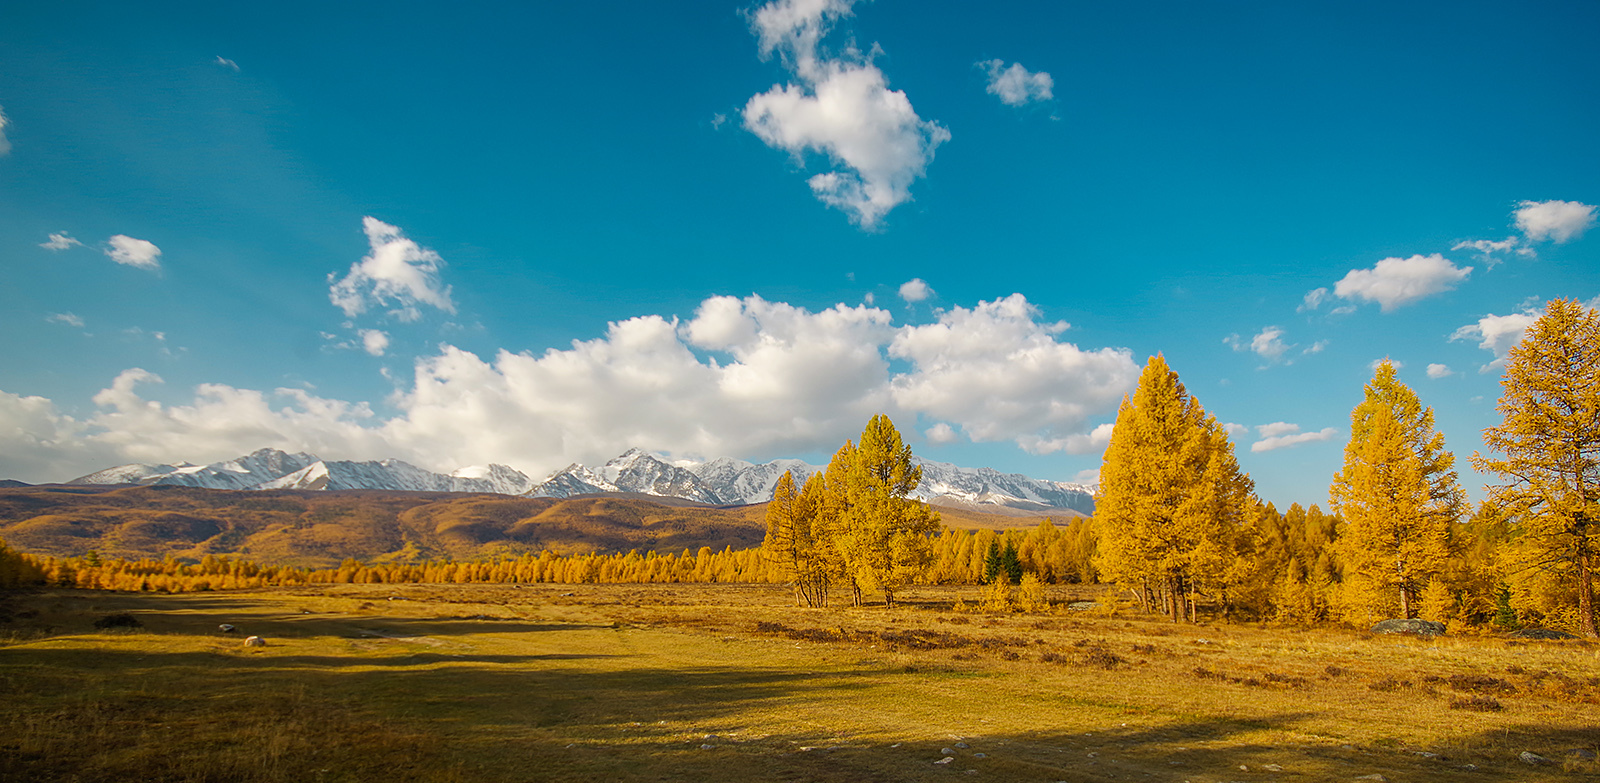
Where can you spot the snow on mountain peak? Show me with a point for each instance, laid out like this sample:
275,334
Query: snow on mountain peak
719,481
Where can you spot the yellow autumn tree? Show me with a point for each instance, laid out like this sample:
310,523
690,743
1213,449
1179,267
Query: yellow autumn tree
795,543
885,536
1398,497
1173,507
1550,438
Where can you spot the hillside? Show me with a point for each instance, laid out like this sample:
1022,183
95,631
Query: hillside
320,528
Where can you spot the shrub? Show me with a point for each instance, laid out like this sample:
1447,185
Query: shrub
115,621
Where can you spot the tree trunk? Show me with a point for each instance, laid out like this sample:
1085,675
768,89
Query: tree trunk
1586,624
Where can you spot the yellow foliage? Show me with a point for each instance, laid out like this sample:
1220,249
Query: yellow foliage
1550,439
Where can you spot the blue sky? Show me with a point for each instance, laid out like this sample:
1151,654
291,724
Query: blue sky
375,230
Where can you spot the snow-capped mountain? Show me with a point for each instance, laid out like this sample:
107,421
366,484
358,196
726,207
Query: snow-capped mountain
633,471
987,486
273,469
736,481
242,473
722,481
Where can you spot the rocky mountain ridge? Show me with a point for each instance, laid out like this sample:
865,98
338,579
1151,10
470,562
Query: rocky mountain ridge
719,482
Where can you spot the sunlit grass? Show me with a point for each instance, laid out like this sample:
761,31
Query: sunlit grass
676,682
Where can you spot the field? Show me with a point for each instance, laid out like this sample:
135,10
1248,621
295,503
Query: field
729,683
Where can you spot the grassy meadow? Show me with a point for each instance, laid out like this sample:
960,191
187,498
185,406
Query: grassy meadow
730,683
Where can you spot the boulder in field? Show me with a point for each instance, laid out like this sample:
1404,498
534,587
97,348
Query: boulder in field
1545,634
1414,627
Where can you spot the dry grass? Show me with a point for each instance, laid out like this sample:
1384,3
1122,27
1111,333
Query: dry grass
696,682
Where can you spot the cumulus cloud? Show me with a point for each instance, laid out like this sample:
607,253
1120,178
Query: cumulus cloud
397,273
1538,221
1497,333
133,252
65,318
1394,282
915,290
60,241
998,373
5,143
941,433
839,106
1016,85
374,341
742,377
1556,221
1316,347
226,63
1437,371
1268,343
1283,435
38,442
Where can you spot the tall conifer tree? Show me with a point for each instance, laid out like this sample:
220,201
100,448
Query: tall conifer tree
1550,436
1173,504
1398,496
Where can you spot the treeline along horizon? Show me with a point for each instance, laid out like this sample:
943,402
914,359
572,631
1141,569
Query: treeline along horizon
1177,525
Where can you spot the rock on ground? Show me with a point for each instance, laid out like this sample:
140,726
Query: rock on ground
1417,627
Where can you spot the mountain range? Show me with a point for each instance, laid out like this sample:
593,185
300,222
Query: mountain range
718,482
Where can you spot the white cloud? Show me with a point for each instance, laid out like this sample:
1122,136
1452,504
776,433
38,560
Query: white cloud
1437,371
65,318
60,241
1313,299
1557,221
1282,435
915,290
134,252
40,443
1235,431
841,107
1497,333
1276,428
1090,476
999,374
226,63
1393,282
5,143
1376,363
1316,347
374,341
941,433
397,273
1016,85
743,377
1268,343
1489,251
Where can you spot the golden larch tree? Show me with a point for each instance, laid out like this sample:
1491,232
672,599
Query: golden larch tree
886,532
1172,498
1398,496
1550,438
